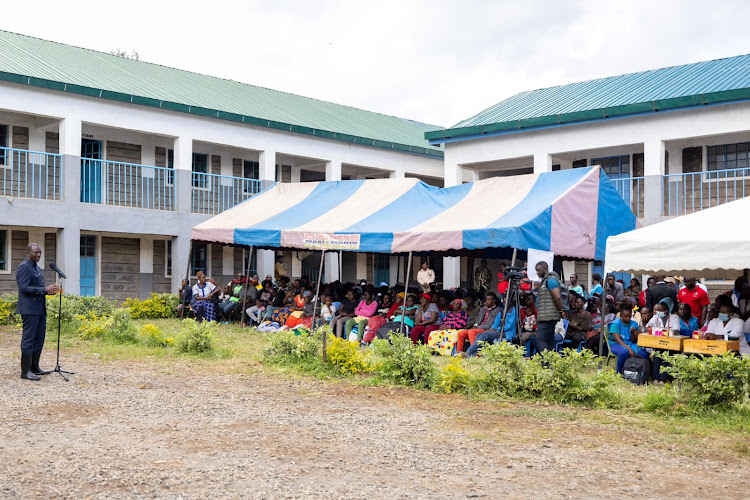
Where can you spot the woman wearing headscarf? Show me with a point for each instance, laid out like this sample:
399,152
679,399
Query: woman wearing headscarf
663,319
443,338
427,316
305,318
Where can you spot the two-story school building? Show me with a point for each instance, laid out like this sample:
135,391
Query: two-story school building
108,162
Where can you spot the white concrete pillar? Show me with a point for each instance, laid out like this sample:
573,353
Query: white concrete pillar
361,266
69,256
227,261
397,174
542,163
183,165
653,168
333,170
331,267
296,174
70,149
451,272
675,158
180,250
226,164
37,139
267,167
296,265
146,281
470,175
393,269
452,171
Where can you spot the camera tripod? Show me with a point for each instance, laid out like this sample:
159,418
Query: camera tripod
512,298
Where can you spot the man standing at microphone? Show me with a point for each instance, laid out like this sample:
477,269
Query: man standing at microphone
32,306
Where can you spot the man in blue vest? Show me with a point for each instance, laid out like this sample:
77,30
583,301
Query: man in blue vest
32,306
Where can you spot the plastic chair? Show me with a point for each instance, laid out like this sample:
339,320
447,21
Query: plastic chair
569,343
747,338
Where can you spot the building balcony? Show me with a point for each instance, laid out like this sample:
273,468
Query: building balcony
127,185
213,194
690,192
30,174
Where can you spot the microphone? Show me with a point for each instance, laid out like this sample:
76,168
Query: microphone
54,267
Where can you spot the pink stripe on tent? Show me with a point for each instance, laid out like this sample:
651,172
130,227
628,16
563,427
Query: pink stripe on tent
433,241
573,223
217,235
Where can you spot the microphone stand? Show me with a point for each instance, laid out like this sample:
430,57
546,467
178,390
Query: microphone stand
58,369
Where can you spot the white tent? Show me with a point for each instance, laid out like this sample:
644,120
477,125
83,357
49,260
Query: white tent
712,243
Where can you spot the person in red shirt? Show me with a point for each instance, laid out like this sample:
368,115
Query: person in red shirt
695,297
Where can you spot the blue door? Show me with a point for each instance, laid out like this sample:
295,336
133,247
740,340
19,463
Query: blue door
91,171
617,169
88,265
382,272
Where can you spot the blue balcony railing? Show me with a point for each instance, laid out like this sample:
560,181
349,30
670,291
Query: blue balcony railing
213,194
30,174
631,190
691,192
127,185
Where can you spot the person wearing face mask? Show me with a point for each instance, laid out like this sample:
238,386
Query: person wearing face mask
663,317
728,326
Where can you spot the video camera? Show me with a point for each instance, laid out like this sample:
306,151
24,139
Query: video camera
514,273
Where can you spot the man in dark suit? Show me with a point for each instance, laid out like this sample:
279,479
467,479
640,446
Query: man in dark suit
660,290
32,306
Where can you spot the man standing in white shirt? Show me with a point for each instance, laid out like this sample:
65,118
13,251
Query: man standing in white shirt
425,277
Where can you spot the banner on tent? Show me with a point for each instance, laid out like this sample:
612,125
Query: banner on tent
329,241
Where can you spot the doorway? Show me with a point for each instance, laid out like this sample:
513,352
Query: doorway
91,171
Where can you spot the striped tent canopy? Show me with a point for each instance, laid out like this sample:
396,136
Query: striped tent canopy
570,213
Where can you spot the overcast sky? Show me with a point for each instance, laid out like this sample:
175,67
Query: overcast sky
436,61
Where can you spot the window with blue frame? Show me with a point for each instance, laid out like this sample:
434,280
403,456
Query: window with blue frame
3,144
729,157
170,165
253,264
168,257
616,167
200,258
4,250
200,166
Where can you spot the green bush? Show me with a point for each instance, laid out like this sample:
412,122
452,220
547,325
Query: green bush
346,356
571,378
287,347
159,306
116,327
8,303
502,371
453,376
74,306
154,337
196,337
712,381
402,362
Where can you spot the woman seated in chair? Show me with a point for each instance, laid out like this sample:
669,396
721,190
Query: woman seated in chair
408,310
366,308
305,318
202,303
426,318
623,341
444,337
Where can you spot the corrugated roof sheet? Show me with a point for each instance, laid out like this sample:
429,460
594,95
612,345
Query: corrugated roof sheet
48,64
706,82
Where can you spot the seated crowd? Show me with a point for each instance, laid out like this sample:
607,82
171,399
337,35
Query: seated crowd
461,321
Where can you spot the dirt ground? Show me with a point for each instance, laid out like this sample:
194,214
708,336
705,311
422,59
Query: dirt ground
184,430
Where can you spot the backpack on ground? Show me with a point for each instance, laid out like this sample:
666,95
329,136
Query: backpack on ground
636,370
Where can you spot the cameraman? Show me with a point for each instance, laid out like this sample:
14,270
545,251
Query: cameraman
549,307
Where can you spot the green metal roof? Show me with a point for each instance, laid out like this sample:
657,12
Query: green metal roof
703,83
43,63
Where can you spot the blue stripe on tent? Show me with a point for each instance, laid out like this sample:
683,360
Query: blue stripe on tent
610,203
417,205
324,198
528,224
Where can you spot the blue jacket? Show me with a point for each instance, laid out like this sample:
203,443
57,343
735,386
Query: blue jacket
510,325
31,291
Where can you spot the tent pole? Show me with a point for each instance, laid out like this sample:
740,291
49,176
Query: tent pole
406,294
341,267
398,271
187,282
605,328
244,288
316,300
507,297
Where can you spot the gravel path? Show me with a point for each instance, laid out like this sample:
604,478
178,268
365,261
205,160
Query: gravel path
124,430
